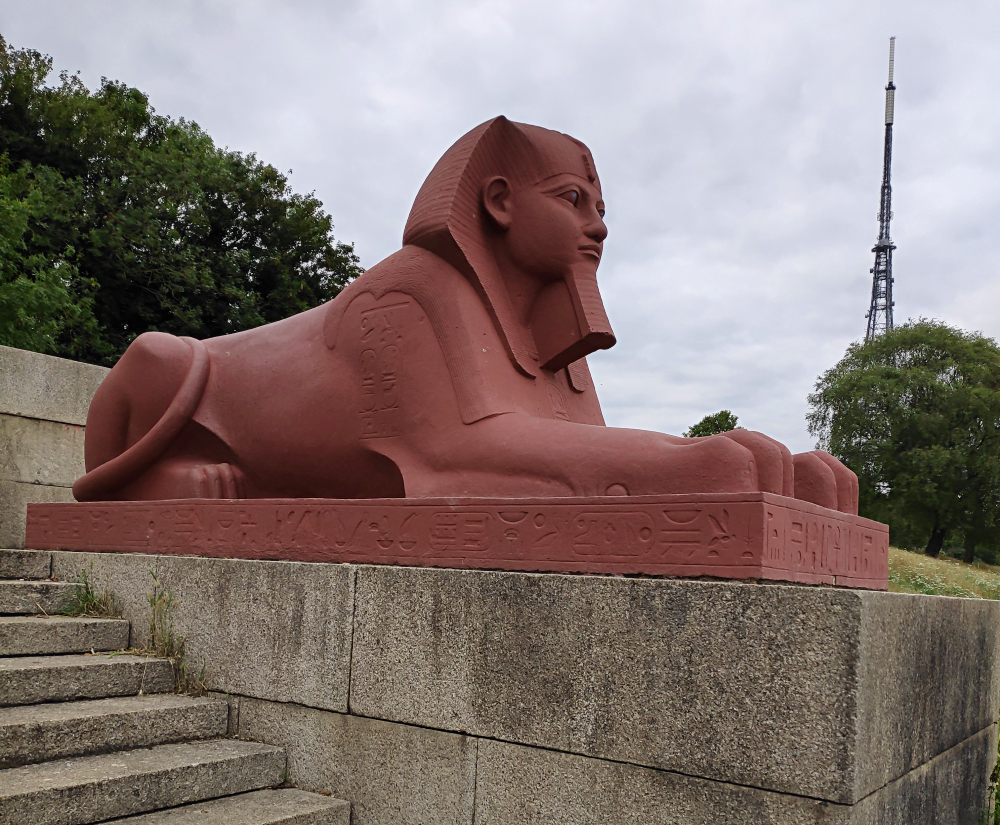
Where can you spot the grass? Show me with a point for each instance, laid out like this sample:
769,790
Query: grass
83,601
166,644
990,815
943,576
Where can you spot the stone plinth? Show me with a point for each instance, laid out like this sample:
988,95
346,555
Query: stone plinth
736,536
440,696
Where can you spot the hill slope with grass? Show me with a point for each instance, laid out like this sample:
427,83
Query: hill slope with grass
943,576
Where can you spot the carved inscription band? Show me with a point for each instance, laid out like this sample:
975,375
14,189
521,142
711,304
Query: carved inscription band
755,535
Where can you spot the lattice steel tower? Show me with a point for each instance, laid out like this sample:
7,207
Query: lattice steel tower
880,313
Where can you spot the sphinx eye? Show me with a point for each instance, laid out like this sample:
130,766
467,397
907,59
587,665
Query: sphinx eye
572,196
600,211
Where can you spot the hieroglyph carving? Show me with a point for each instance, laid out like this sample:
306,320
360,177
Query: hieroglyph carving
741,537
381,363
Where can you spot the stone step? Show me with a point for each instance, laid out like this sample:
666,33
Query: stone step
287,806
47,635
25,564
59,730
90,789
20,597
30,680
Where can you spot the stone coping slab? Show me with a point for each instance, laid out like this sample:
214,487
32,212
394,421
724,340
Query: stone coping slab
34,385
734,536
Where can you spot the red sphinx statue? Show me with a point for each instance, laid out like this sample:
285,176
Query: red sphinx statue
454,368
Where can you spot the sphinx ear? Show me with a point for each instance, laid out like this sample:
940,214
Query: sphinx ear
497,202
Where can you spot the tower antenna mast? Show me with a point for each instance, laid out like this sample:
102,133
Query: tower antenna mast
880,312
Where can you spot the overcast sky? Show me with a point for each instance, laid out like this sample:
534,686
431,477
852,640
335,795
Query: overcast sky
739,146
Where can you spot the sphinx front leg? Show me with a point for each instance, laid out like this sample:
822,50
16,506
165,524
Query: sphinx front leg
515,455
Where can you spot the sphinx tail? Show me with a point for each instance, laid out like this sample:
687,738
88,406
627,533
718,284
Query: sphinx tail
103,480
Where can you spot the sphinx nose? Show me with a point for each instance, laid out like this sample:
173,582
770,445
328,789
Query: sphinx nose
596,229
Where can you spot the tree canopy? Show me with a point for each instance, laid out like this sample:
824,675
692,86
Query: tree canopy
720,422
115,220
916,414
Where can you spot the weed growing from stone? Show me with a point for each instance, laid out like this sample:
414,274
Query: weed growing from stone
990,815
166,644
83,601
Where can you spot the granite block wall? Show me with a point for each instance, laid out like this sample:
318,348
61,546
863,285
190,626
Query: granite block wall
428,696
43,410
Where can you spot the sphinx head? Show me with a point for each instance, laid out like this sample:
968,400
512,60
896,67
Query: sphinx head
551,228
509,202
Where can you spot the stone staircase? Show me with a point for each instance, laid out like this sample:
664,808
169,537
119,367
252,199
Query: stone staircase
89,736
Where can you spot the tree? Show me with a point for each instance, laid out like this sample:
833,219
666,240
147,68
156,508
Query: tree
35,302
116,220
721,422
916,414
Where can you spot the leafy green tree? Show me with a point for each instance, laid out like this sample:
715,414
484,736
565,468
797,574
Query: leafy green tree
35,301
720,422
115,220
916,414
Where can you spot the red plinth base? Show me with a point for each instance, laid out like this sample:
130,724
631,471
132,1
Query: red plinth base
733,536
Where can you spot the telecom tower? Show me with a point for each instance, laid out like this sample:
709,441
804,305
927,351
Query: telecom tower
880,313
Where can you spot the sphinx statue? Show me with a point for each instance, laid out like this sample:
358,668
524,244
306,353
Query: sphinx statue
456,367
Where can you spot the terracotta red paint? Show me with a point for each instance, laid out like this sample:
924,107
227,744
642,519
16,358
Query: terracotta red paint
748,535
456,367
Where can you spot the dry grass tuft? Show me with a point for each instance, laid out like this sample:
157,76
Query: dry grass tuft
83,601
917,573
166,644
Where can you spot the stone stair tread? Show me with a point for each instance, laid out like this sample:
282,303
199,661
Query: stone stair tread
29,680
41,635
285,806
25,564
89,789
41,733
19,596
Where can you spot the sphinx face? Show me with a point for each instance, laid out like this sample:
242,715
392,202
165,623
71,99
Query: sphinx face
556,228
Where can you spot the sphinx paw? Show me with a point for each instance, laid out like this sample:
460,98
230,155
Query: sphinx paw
822,479
218,481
